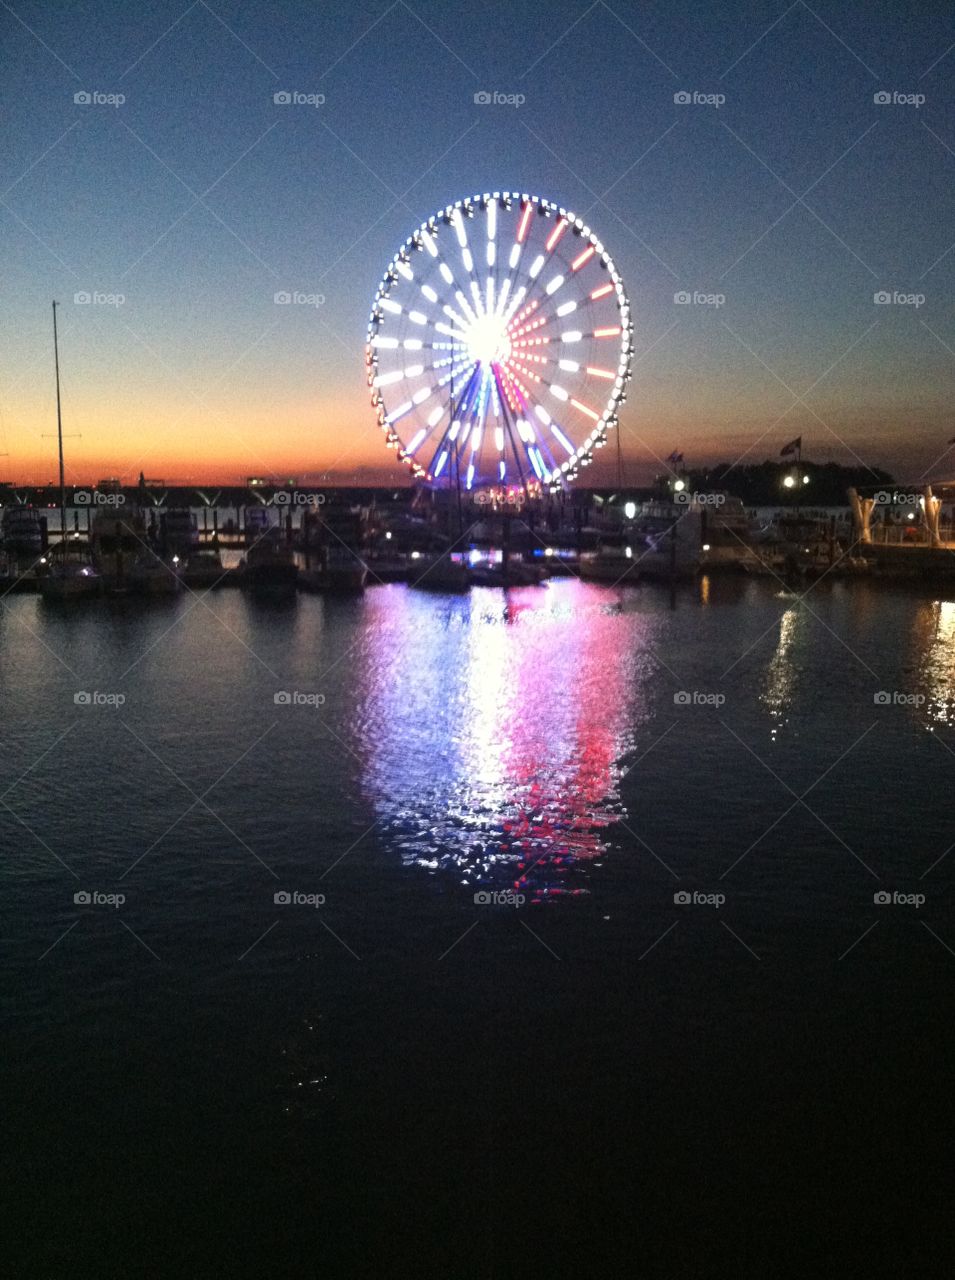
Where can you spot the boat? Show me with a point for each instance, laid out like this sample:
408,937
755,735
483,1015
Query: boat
23,531
203,567
510,572
179,532
69,574
341,573
269,565
440,573
614,562
150,575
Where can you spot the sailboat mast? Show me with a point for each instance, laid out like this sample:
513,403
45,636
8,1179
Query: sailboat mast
59,430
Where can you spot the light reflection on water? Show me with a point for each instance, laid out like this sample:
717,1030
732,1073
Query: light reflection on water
492,729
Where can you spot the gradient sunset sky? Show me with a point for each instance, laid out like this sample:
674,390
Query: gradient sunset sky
797,199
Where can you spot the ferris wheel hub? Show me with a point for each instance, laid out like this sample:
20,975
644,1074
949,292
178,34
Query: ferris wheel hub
487,340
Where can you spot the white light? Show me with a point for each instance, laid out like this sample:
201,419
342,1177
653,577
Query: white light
568,366
789,482
559,435
446,272
420,396
439,467
384,342
467,260
417,317
490,253
413,344
559,392
487,340
679,486
435,416
429,244
499,439
536,265
515,254
458,223
525,430
630,510
706,546
416,440
572,335
491,219
405,270
542,413
413,370
429,293
555,284
566,308
386,379
393,307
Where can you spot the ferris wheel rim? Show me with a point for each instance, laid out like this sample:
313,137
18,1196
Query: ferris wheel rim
425,237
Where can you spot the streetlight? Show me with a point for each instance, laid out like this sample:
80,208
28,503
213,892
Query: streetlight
788,482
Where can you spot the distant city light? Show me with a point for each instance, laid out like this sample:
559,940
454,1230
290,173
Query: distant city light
789,482
679,486
630,510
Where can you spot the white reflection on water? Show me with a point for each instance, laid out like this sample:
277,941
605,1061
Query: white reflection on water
935,636
491,730
780,677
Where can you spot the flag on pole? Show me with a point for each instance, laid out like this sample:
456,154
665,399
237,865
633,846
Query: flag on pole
675,457
793,447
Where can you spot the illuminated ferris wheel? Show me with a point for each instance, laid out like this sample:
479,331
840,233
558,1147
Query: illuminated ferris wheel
499,345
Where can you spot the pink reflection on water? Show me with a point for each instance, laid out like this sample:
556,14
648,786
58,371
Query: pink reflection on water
491,729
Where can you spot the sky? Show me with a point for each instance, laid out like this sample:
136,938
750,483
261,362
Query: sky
739,155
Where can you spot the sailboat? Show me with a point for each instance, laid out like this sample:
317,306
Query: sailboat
68,573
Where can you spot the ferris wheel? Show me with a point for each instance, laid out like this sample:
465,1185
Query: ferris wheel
499,345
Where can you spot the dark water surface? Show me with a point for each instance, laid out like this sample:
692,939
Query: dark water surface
574,1069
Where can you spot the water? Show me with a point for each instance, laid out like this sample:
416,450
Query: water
407,1068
